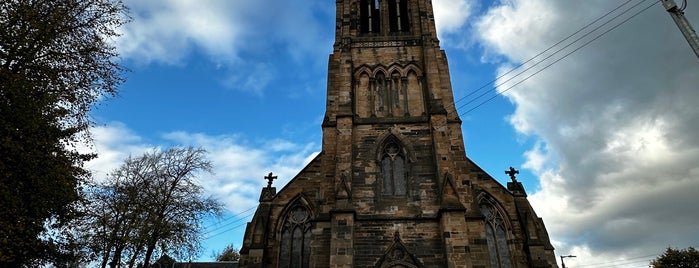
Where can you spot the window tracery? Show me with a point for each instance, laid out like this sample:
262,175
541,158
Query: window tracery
295,248
496,236
394,91
393,169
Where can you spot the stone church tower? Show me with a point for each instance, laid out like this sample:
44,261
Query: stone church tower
392,186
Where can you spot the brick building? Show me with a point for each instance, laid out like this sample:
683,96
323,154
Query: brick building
392,186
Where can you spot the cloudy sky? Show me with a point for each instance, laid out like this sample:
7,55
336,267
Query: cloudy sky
600,116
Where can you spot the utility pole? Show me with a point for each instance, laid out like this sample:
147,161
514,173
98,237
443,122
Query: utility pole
677,15
563,264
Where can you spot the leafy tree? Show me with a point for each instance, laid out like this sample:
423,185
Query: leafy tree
677,258
56,63
150,204
230,253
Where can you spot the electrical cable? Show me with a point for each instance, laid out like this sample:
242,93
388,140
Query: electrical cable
542,52
614,262
225,231
231,217
228,218
552,54
559,59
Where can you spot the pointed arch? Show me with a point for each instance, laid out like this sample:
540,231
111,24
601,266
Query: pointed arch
414,68
394,134
363,93
380,69
363,69
382,92
294,230
449,196
397,255
393,167
497,233
395,67
415,92
396,88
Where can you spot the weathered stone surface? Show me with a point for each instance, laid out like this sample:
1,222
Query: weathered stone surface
392,184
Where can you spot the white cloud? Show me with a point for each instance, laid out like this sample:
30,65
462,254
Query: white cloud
238,165
113,143
450,15
166,31
616,124
249,42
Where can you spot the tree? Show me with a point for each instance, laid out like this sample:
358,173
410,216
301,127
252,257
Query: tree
677,258
56,63
230,253
150,204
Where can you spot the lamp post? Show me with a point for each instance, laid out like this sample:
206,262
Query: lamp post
563,264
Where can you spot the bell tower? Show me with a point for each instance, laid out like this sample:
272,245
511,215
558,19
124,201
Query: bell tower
383,52
389,85
392,185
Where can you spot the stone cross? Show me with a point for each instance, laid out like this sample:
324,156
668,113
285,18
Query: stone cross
269,179
512,173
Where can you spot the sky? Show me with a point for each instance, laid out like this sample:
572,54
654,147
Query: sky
602,125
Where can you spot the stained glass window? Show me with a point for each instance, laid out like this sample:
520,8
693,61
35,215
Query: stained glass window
295,248
496,236
393,170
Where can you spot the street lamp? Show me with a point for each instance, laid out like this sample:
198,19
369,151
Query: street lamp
563,264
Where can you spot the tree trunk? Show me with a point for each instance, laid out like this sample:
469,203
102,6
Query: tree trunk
116,260
149,251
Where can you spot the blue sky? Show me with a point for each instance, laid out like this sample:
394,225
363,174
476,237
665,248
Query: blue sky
605,138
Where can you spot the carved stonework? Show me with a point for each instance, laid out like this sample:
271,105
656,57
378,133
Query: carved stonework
343,189
397,255
401,43
392,158
268,194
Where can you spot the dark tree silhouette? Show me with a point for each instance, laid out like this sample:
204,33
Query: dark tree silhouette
677,258
56,63
151,204
230,253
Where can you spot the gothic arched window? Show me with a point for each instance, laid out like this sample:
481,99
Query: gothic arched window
496,235
383,92
369,19
398,16
393,169
295,248
389,91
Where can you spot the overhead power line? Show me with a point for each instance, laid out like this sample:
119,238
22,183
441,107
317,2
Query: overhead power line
226,231
239,218
618,262
561,58
577,40
539,54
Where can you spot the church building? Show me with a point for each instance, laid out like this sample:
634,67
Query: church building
392,186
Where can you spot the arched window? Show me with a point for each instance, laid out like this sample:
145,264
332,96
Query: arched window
393,169
496,235
389,90
398,16
369,19
383,92
295,248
